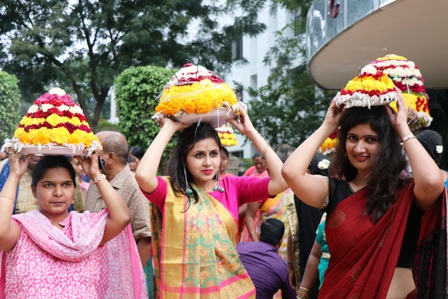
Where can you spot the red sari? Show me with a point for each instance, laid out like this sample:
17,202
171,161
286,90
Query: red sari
364,255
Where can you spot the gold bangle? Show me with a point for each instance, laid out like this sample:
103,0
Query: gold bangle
406,138
263,155
7,199
99,178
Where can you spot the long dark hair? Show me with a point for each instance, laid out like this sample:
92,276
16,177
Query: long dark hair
386,174
51,162
177,164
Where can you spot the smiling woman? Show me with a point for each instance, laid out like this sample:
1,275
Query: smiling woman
51,241
378,219
195,213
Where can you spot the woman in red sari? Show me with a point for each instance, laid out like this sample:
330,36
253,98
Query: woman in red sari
376,225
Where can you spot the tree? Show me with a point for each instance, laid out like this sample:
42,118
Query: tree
136,91
9,105
82,45
290,107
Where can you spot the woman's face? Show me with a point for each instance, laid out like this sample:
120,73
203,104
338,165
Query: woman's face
203,161
54,192
224,163
362,146
78,168
260,164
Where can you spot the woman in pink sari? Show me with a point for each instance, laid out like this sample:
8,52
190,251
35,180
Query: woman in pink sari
381,227
195,215
50,253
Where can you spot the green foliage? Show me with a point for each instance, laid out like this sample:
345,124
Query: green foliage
136,91
9,105
105,125
81,46
290,107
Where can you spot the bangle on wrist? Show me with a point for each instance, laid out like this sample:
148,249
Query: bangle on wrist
289,262
7,199
406,138
263,155
99,178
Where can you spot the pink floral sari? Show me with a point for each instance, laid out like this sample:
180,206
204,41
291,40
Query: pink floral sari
50,263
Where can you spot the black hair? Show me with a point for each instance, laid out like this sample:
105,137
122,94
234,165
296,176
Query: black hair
226,152
385,177
257,154
178,159
430,140
136,151
314,165
51,162
272,231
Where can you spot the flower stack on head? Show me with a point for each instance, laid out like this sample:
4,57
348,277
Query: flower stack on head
370,88
226,135
196,94
329,145
407,77
54,125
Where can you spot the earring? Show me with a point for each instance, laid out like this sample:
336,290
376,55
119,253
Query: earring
218,186
188,190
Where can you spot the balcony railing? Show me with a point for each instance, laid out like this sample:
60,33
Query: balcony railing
327,18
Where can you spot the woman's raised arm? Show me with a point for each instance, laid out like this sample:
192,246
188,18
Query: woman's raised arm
146,173
428,179
245,127
9,230
311,189
119,215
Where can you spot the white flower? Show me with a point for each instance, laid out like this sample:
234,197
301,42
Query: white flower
323,164
439,149
56,90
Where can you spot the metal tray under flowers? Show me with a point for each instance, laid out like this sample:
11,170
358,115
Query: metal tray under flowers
216,117
53,150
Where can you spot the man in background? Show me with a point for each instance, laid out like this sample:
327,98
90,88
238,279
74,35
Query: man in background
266,268
116,168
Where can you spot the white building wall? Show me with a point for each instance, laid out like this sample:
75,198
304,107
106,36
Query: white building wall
255,73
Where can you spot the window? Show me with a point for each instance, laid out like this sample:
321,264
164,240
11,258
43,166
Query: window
237,49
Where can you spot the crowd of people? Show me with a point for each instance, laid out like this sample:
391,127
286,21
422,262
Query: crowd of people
367,222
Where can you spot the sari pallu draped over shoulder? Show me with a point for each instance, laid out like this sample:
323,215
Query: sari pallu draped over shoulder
70,263
194,250
364,255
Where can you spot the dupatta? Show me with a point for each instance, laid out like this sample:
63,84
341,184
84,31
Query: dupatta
364,255
120,272
194,250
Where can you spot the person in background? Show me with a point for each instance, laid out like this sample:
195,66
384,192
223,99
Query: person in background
24,201
304,221
224,163
3,156
433,144
195,215
135,154
317,262
251,228
51,253
374,214
79,175
114,155
259,169
266,268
